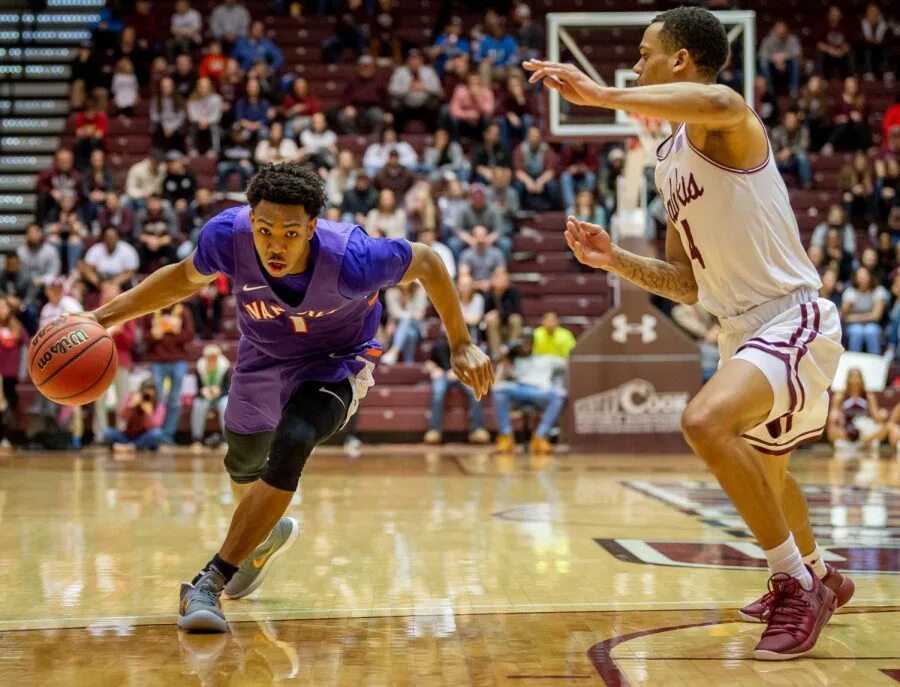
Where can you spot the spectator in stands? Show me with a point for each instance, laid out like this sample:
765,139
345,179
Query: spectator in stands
442,380
893,326
421,210
146,27
480,212
212,66
416,91
84,78
384,40
449,45
253,113
503,316
887,254
125,89
186,27
857,186
213,382
206,307
816,255
780,54
850,116
112,260
179,184
142,415
525,378
231,87
387,218
184,76
359,200
364,101
870,260
863,305
276,148
52,183
341,178
887,183
20,292
67,231
871,48
318,144
350,31
835,219
113,214
204,112
578,164
166,333
855,418
376,155
451,203
813,104
831,288
481,258
144,179
490,155
298,107
168,117
96,184
609,177
128,48
790,142
496,52
552,339
394,176
445,157
124,336
587,209
91,127
429,238
12,338
406,306
516,110
834,55
156,234
765,103
228,22
504,199
472,304
471,106
530,34
836,256
534,162
250,49
703,327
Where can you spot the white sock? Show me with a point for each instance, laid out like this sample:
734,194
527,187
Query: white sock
786,558
814,561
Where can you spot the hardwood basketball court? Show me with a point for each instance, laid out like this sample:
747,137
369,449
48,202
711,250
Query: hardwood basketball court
432,568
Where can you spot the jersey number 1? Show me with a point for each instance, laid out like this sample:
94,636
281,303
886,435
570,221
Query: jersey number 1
695,252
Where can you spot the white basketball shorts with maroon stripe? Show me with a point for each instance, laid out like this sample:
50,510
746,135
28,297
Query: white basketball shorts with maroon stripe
795,341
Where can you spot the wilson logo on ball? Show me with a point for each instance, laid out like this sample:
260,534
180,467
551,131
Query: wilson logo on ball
61,347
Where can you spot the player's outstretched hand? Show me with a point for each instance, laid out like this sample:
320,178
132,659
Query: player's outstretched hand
473,368
569,81
589,242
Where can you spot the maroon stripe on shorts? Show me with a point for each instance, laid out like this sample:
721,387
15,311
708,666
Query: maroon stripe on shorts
780,450
783,357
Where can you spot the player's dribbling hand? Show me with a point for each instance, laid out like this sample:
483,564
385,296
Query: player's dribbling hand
473,368
589,242
566,79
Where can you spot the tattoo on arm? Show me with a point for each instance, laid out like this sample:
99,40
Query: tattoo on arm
669,280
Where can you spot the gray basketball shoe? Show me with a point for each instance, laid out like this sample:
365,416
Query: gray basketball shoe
255,567
200,609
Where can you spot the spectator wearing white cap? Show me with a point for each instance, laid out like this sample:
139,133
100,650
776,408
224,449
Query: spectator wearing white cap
213,381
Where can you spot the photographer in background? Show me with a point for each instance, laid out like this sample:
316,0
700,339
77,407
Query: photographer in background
143,416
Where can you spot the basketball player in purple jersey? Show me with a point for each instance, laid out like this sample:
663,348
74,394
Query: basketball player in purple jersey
732,244
308,309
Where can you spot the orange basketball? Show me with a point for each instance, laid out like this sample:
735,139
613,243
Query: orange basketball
72,360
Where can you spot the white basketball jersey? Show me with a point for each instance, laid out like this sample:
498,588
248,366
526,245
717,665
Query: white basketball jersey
736,226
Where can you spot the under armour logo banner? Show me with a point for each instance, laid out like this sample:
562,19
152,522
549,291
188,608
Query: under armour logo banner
623,328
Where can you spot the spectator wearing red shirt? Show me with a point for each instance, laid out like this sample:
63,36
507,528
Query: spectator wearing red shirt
142,414
298,107
53,183
145,25
213,63
91,127
123,336
850,117
365,98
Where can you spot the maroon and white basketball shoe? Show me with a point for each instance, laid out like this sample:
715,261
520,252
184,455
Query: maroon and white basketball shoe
841,585
796,618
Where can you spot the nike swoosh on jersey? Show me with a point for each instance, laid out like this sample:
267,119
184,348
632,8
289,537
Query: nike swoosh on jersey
247,287
261,561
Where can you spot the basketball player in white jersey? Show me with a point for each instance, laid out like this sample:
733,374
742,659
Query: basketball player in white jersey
732,243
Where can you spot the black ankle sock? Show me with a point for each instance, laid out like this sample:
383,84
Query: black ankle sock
225,569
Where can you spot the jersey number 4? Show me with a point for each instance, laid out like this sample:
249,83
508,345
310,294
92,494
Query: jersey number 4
694,251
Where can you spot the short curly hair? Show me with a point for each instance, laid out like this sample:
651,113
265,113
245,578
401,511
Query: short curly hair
698,31
288,183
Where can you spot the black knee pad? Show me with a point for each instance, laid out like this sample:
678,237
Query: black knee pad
292,445
246,456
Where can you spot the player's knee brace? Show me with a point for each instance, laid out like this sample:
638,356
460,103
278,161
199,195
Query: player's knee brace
246,455
293,444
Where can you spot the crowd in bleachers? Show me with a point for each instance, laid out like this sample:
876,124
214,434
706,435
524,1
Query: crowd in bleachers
216,88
